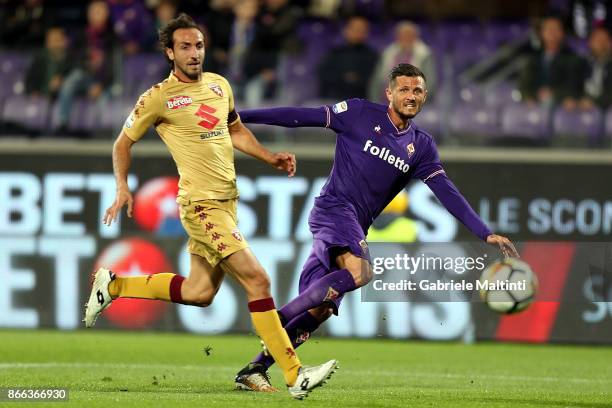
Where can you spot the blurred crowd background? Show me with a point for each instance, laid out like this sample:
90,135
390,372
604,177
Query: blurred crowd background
499,72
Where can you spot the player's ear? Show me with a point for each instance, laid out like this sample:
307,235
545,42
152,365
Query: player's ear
170,53
388,93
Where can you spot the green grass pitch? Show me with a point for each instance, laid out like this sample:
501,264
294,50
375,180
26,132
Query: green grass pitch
129,369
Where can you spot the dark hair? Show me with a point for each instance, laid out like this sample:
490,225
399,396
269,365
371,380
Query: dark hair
166,33
405,70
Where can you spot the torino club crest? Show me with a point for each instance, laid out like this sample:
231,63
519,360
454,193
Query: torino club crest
216,89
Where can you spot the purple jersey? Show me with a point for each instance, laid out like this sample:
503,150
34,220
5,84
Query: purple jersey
373,162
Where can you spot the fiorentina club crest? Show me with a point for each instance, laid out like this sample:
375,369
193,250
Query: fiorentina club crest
332,294
302,336
410,149
236,234
377,129
216,89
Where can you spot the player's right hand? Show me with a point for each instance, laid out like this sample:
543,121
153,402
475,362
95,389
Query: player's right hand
124,196
505,245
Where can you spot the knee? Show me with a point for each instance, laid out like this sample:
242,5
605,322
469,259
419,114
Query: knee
203,299
362,275
197,296
321,313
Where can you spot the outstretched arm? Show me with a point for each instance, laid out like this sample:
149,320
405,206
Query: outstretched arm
244,140
288,117
457,205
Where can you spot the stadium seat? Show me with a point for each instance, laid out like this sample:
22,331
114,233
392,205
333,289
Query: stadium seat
13,67
141,71
471,94
526,121
27,111
114,115
84,116
578,124
474,119
497,34
430,120
501,94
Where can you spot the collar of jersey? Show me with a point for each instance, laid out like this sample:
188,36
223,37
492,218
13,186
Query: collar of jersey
177,79
397,131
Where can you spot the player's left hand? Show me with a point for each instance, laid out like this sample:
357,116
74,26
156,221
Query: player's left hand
284,161
504,244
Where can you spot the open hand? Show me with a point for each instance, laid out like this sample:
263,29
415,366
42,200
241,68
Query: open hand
505,245
124,196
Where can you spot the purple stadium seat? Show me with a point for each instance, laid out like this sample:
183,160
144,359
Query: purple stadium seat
296,72
14,62
579,124
115,113
467,52
30,112
430,120
497,34
474,119
458,35
13,67
141,71
471,94
528,121
504,93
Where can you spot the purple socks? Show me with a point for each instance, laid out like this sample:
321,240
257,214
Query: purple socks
326,288
298,322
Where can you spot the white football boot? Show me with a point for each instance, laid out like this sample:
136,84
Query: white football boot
99,299
310,378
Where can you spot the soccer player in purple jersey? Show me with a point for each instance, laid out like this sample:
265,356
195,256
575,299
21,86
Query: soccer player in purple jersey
379,149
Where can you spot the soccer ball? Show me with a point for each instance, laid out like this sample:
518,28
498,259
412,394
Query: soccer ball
508,286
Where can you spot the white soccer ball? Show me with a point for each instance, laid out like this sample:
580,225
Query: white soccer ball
508,286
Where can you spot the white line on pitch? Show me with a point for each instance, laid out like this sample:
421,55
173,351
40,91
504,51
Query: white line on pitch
385,373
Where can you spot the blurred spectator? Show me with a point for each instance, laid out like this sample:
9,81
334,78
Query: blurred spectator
93,76
274,35
164,11
26,24
219,22
324,8
346,70
407,48
243,32
549,77
49,66
587,14
598,71
132,23
98,32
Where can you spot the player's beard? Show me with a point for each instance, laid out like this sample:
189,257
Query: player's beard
194,76
397,107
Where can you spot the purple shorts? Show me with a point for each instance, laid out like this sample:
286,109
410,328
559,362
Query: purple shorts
331,233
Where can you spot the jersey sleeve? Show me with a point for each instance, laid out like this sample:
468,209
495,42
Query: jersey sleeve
429,165
232,116
341,116
146,113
